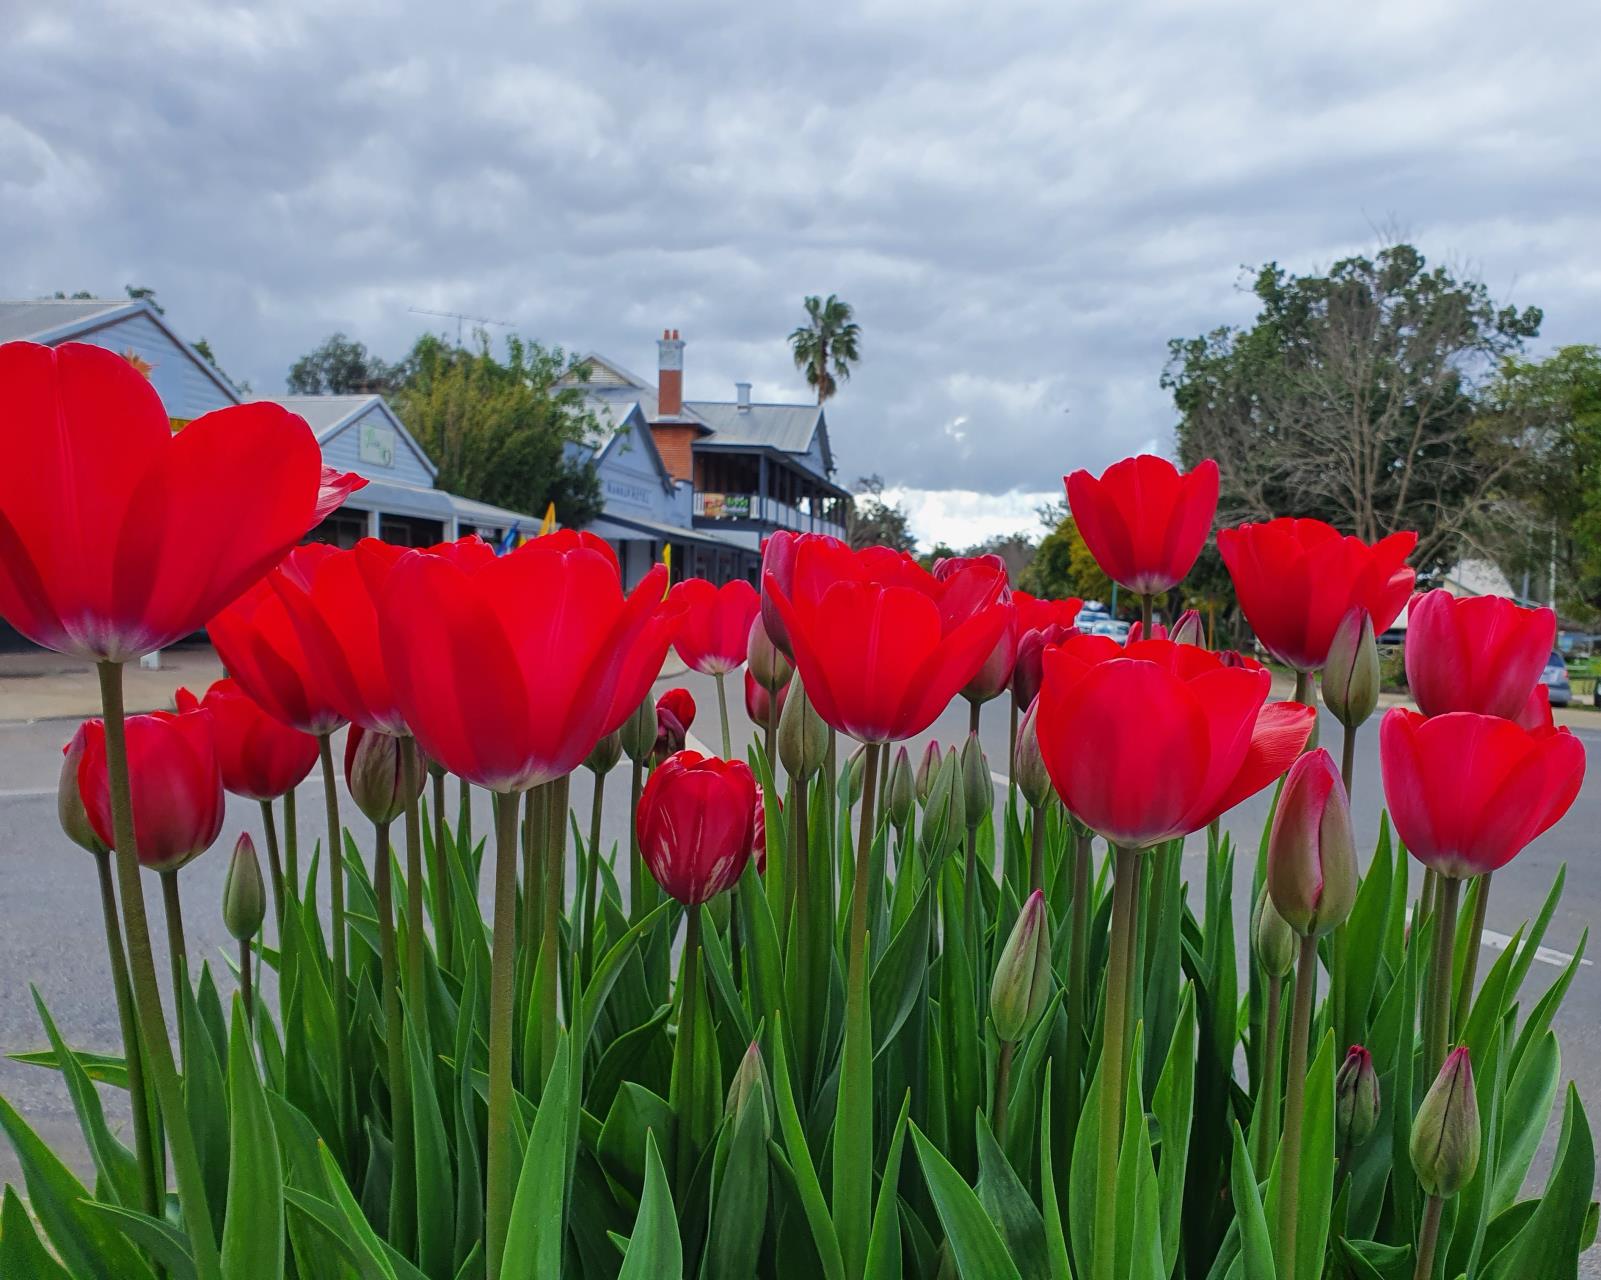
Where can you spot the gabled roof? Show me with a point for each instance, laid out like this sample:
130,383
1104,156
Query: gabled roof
789,428
327,416
623,426
56,320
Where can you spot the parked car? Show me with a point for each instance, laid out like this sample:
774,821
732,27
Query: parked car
1555,680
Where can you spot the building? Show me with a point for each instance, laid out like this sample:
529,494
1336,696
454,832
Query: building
400,502
708,478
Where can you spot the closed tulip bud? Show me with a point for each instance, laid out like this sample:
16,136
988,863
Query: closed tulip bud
1351,675
1272,939
927,766
1445,1134
1022,982
802,735
978,788
900,796
608,751
1356,1099
945,815
765,661
855,768
1311,853
374,774
638,734
1028,765
749,1087
69,800
1189,629
244,896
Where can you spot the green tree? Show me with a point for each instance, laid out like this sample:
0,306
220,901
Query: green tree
873,522
341,366
499,430
827,345
1355,397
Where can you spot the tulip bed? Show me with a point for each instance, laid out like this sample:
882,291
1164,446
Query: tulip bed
826,1014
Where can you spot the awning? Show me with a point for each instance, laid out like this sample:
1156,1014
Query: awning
627,528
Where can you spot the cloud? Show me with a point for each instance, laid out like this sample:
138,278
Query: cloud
1024,202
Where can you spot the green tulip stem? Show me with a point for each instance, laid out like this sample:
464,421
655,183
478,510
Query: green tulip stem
341,977
722,715
502,998
1114,1050
684,1083
592,876
534,830
400,1126
550,930
247,989
275,870
638,878
1348,758
1470,964
974,714
770,733
1036,849
444,924
177,947
1295,1106
139,1097
800,884
1272,1074
291,842
1078,962
1431,880
1428,1238
464,816
1437,1015
853,1144
1003,1080
416,938
163,1072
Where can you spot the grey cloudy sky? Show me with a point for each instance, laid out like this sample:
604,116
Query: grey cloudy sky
1023,202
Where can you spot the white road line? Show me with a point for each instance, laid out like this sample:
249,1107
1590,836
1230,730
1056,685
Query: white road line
26,793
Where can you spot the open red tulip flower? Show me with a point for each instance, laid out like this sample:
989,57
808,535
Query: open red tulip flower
505,670
1144,520
778,566
1297,578
1480,653
118,536
881,645
1154,741
174,780
642,664
1468,792
260,756
996,673
1536,713
714,632
697,824
263,651
1034,613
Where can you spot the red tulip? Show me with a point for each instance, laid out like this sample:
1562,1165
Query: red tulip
996,673
697,824
1467,792
714,632
118,536
261,648
760,705
1312,874
471,551
1035,613
174,779
1040,623
261,757
1154,741
1143,520
882,646
505,671
1536,713
1296,579
675,714
778,565
1482,653
642,663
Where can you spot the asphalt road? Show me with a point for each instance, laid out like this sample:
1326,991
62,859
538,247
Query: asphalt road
51,939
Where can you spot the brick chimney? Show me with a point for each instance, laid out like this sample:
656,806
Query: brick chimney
670,374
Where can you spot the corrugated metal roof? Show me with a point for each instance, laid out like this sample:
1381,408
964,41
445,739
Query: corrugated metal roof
38,318
787,427
323,413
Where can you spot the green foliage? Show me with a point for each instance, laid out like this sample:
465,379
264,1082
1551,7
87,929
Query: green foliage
1062,565
871,521
827,345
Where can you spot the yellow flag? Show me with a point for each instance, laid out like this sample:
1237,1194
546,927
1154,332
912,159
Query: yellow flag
549,522
667,559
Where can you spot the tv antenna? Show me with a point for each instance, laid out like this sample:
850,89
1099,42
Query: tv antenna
458,317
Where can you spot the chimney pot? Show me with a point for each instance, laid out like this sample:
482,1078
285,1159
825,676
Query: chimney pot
670,374
742,396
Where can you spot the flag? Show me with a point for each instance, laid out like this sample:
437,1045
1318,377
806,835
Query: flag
549,522
511,541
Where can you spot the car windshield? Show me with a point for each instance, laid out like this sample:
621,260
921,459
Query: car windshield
1555,662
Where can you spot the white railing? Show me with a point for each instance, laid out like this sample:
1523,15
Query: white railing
764,510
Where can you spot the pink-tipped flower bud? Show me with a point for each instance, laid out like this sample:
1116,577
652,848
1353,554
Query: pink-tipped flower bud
608,751
375,776
638,734
1189,629
1022,982
944,815
675,713
749,1088
1272,940
1351,674
1356,1099
1445,1134
1311,854
927,767
900,796
978,788
69,800
1030,666
802,734
1028,764
764,660
244,896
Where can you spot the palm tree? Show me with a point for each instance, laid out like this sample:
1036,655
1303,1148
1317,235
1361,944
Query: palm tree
825,346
